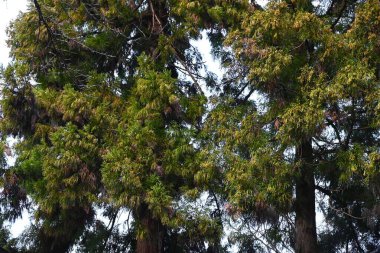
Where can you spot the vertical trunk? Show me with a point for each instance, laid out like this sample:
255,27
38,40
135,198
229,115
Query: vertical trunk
151,242
306,232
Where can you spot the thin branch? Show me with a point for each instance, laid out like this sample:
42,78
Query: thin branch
217,204
112,223
86,47
241,90
331,123
188,71
355,237
43,20
345,213
248,95
341,11
323,190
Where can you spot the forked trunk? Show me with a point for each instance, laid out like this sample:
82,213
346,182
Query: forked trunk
306,232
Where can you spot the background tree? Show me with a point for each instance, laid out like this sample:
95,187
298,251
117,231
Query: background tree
297,113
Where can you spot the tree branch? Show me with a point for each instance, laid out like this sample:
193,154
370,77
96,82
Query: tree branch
323,190
43,20
331,123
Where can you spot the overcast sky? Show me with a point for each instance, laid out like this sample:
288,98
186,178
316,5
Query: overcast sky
8,11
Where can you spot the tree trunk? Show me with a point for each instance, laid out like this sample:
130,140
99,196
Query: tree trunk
151,242
306,232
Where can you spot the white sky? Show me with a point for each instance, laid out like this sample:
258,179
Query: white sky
8,11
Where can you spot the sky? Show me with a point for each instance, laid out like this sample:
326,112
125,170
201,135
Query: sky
9,9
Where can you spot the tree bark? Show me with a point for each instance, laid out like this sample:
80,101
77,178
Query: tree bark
152,240
306,231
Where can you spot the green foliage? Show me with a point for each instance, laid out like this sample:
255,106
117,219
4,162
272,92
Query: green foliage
154,158
99,98
102,118
313,79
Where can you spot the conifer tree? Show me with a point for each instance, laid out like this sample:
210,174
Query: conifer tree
298,114
104,120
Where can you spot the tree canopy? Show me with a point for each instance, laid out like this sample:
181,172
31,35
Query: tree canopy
125,142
